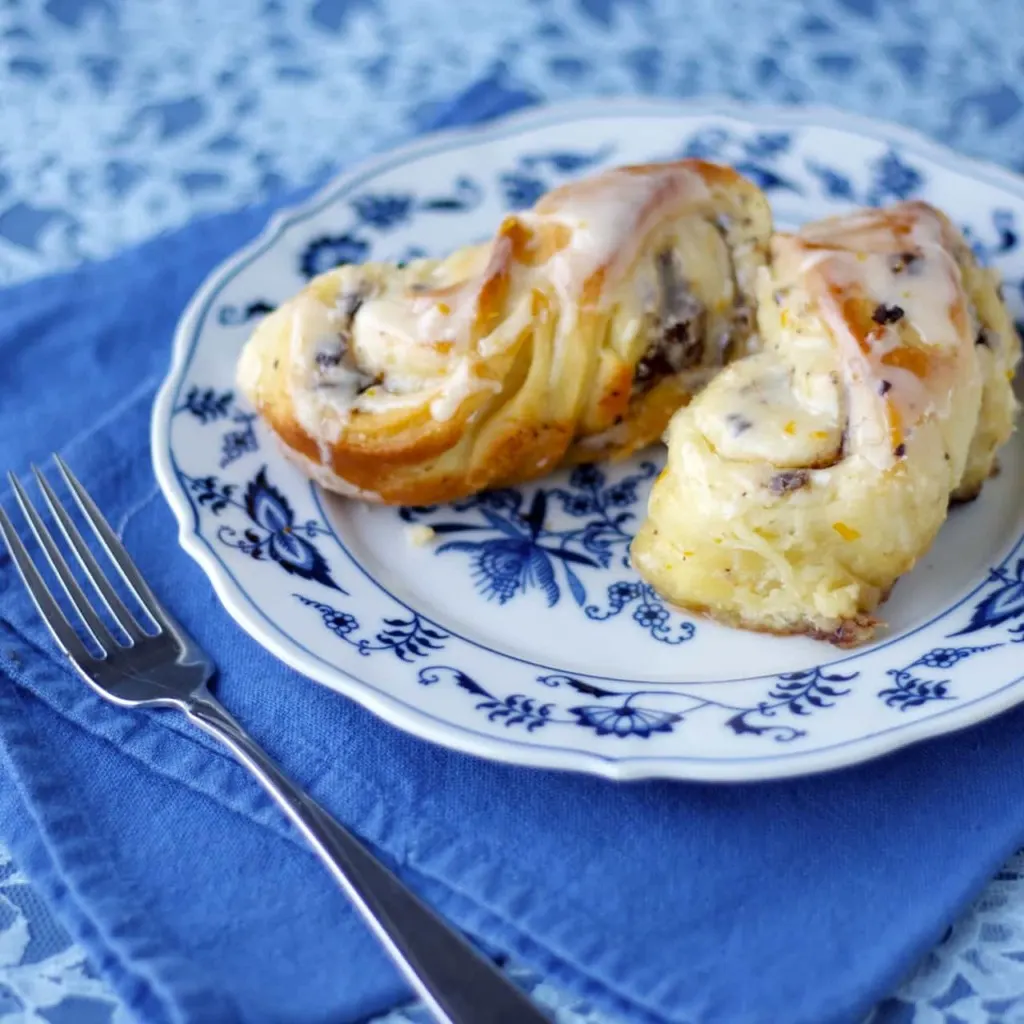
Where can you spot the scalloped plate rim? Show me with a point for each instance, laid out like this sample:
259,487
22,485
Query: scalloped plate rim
416,720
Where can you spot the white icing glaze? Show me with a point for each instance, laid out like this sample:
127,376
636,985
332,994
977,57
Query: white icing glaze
771,411
927,292
609,217
422,346
390,317
460,384
322,395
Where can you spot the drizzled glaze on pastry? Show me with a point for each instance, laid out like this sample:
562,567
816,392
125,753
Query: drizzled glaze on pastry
905,326
808,477
579,239
573,335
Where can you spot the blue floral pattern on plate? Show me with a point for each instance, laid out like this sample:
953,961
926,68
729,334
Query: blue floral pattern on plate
798,693
911,689
513,551
209,406
406,638
271,531
381,212
1004,602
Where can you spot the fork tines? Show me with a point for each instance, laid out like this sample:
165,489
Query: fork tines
106,640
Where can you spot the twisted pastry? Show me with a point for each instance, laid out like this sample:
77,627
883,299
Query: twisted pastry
804,480
573,336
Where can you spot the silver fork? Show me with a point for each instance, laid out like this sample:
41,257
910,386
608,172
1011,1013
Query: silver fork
165,668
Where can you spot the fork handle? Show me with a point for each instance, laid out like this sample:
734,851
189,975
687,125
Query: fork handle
458,984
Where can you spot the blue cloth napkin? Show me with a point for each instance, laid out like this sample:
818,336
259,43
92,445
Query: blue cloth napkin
803,901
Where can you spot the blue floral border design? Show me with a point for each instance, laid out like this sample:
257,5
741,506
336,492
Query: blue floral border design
269,531
1002,602
405,638
798,694
207,405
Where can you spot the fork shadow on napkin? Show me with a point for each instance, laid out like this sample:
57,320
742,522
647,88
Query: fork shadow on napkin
803,901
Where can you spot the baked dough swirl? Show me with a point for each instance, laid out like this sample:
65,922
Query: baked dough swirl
805,479
572,336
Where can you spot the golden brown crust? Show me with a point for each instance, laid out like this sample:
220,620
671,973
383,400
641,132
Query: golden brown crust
846,633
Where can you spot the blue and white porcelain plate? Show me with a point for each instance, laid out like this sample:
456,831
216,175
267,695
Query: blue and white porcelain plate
518,631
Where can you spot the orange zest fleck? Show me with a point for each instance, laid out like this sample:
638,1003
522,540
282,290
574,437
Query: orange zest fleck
518,235
789,428
901,226
895,424
958,314
819,435
911,359
443,308
553,238
489,303
533,248
857,317
846,532
592,288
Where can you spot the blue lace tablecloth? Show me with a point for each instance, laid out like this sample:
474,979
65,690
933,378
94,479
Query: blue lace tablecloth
119,120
